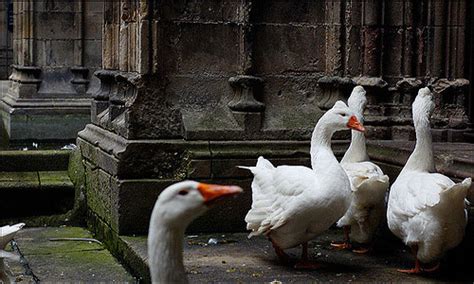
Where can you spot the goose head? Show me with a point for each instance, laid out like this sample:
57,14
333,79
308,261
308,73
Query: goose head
357,101
182,202
423,106
340,117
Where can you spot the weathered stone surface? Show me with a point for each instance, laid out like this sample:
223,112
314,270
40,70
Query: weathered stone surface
51,75
65,260
238,259
162,111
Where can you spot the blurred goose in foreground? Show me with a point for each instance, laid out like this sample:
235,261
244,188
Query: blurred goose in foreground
426,209
293,204
176,207
368,183
7,233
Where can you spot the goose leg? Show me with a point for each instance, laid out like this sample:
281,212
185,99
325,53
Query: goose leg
363,249
417,268
305,263
346,244
280,253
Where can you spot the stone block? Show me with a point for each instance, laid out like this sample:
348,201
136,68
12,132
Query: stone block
55,53
44,126
199,169
93,27
405,133
197,49
102,195
200,11
136,200
228,168
296,42
394,51
55,7
92,53
353,49
91,7
291,107
283,12
56,26
228,215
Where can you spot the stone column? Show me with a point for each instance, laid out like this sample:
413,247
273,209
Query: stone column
56,50
6,9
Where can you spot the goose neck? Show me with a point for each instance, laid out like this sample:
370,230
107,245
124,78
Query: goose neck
166,249
357,151
321,144
422,157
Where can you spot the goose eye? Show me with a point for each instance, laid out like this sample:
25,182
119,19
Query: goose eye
183,192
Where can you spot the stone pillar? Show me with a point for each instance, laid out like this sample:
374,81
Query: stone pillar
56,51
6,10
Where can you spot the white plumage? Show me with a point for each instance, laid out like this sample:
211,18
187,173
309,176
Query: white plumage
7,233
368,183
176,207
426,209
293,204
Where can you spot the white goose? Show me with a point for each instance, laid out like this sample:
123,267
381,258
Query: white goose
426,209
176,207
368,183
7,233
293,204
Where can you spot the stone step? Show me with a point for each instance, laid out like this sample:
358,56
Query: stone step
34,160
35,193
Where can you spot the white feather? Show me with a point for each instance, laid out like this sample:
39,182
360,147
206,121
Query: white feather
368,183
425,208
293,204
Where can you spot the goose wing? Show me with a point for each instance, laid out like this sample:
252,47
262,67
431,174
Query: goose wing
277,195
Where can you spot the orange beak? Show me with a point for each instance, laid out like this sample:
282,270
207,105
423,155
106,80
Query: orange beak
212,192
355,124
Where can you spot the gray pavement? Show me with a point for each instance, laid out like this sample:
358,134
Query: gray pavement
238,259
71,261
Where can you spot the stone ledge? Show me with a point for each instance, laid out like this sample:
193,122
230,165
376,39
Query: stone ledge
455,160
34,160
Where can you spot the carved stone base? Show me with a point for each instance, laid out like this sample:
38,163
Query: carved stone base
124,177
30,119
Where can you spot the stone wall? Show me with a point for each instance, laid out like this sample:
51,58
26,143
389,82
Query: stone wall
190,89
5,41
57,48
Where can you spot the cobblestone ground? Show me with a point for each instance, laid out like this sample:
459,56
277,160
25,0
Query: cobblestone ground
237,259
65,260
227,258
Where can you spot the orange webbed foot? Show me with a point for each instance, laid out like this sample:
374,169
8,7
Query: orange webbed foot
341,246
362,250
415,270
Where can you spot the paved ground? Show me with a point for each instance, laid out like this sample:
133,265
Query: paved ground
233,259
72,261
237,259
